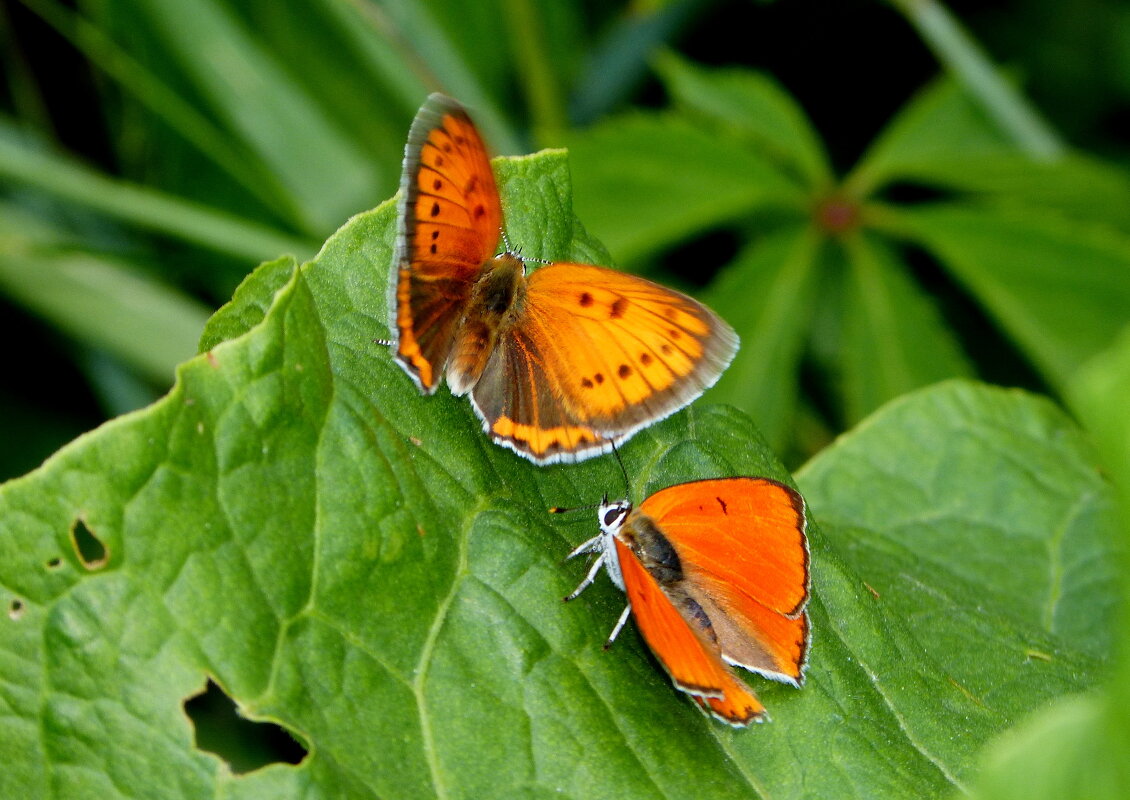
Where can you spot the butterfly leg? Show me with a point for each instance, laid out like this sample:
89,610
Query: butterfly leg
592,545
597,563
619,626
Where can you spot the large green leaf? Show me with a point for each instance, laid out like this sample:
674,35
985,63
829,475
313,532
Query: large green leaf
359,563
894,339
977,519
1077,747
980,503
768,295
1061,290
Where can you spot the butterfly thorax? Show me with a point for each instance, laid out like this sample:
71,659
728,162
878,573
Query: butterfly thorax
652,548
497,299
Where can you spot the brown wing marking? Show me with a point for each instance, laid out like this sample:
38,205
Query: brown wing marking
684,646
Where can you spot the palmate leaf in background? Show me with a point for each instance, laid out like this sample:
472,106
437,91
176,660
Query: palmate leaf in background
824,277
361,564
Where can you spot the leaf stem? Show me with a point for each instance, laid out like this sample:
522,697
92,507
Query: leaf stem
969,64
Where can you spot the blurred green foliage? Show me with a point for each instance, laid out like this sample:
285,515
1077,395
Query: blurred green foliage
873,200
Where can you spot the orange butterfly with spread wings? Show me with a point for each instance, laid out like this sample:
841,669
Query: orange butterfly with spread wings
560,364
716,573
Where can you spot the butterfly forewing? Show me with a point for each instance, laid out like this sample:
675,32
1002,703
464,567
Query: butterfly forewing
451,209
450,218
624,351
747,533
744,556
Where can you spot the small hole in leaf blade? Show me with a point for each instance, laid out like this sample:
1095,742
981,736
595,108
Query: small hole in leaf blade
54,563
88,547
16,609
245,745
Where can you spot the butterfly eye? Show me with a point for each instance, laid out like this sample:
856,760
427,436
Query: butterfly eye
614,515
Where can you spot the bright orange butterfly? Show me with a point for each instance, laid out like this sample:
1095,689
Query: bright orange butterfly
559,365
716,572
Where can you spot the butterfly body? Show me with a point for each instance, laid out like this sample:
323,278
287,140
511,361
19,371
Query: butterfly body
560,363
716,573
496,302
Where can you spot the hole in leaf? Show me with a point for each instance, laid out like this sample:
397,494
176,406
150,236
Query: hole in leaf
245,745
54,563
16,609
88,547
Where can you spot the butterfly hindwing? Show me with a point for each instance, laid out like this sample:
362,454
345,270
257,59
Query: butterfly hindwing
592,356
682,640
514,398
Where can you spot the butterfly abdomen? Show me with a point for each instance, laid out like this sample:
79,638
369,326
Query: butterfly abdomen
497,297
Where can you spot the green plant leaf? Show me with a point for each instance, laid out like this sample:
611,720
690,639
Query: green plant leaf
768,293
941,124
1061,290
359,563
943,139
135,205
618,59
250,303
990,499
894,339
325,173
448,39
978,520
1061,752
646,181
96,299
1076,748
960,53
752,104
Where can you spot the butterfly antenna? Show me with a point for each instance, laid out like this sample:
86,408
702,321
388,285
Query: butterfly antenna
623,471
384,342
571,509
517,251
509,248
